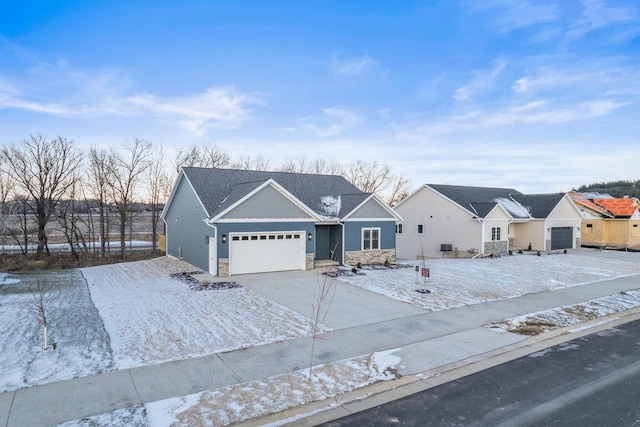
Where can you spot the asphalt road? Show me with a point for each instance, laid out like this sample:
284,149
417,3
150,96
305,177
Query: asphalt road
590,381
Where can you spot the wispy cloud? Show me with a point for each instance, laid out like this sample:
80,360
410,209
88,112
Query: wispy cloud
481,81
333,121
596,14
80,93
510,15
352,66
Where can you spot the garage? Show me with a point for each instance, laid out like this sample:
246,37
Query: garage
561,238
265,252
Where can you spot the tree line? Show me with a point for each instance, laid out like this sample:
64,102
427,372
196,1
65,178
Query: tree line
46,181
613,188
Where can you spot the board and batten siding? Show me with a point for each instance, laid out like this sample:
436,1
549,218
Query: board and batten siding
267,203
353,234
259,227
371,209
186,228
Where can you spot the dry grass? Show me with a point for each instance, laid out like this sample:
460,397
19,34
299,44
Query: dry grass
61,261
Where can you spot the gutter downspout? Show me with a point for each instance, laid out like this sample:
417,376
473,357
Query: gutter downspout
481,221
215,227
166,240
343,245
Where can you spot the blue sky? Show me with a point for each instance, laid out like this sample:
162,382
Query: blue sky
541,96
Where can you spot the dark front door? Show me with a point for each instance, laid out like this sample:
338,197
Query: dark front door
328,242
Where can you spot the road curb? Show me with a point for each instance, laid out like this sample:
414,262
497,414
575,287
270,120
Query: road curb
379,393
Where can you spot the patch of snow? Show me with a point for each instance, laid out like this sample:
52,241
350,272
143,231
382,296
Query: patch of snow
514,208
330,206
152,318
82,345
236,403
133,416
461,282
5,280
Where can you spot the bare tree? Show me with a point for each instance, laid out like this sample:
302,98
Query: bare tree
98,174
158,182
257,163
7,184
203,156
399,190
124,172
370,177
43,170
44,304
321,303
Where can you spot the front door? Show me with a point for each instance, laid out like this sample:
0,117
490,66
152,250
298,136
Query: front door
329,242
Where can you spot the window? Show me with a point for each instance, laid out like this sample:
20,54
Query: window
399,228
591,225
245,237
420,229
235,238
370,239
495,233
263,237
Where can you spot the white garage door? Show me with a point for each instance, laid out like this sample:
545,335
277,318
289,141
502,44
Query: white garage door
263,252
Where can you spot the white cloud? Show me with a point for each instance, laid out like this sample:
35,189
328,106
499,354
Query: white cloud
80,94
333,121
510,15
482,80
596,14
352,66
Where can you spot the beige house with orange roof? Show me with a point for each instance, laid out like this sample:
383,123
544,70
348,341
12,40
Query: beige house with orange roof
609,222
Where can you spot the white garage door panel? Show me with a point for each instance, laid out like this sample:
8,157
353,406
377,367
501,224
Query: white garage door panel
264,252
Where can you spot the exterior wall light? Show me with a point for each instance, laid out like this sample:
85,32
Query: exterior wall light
224,238
206,240
309,236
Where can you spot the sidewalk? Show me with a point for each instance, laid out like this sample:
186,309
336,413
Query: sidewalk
427,341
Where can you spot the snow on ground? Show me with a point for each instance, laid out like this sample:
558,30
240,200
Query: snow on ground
152,318
252,399
547,320
82,345
460,282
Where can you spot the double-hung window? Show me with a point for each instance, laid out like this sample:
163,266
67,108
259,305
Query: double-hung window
370,239
495,233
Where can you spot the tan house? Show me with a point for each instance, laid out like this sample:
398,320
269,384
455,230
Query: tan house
609,222
462,221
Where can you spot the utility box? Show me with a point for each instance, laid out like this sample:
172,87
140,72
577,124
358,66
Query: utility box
446,247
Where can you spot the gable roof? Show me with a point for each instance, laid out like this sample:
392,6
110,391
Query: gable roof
619,207
329,196
478,201
539,205
585,202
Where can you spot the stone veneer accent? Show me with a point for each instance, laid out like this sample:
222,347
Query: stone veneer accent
495,248
223,267
370,257
310,264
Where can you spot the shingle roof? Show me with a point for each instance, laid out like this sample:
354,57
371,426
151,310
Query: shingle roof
619,207
477,200
583,199
218,189
539,205
481,200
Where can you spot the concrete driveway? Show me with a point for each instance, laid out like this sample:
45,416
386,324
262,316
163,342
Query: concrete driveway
351,306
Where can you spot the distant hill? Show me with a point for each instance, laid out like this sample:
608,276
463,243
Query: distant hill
614,188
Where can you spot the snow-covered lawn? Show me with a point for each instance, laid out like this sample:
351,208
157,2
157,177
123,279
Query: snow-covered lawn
559,317
252,399
82,345
460,282
152,318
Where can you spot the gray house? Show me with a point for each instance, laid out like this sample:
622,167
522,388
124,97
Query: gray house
231,222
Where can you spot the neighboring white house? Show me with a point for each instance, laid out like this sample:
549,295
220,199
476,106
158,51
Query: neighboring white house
450,220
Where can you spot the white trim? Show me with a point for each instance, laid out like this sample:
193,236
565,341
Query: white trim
377,199
370,219
173,192
260,220
278,188
362,230
499,219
